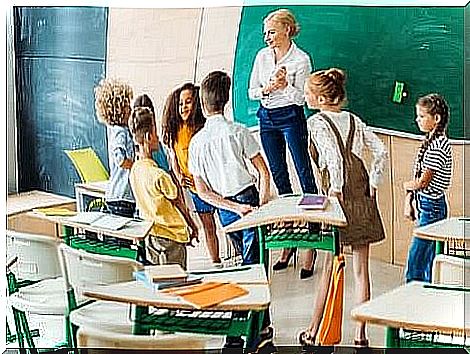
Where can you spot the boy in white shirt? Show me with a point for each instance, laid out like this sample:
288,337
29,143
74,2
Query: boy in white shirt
218,156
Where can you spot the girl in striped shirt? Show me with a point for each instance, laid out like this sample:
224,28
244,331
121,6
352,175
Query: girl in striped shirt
432,175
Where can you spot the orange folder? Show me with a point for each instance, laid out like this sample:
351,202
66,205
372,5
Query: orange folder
208,294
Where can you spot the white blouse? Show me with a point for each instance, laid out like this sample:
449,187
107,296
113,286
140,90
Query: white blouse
330,157
298,67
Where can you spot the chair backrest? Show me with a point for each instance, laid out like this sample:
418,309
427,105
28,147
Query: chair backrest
88,165
38,256
451,270
89,337
81,268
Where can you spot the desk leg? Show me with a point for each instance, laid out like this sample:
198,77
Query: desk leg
439,247
141,257
392,337
254,327
138,314
67,232
263,251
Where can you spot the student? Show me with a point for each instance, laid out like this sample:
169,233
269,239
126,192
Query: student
160,156
113,107
182,118
217,161
338,140
277,82
432,177
156,196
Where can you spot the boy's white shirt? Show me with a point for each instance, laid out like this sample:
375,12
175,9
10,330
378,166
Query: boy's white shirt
218,154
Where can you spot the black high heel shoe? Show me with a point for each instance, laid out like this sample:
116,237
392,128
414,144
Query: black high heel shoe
279,265
307,273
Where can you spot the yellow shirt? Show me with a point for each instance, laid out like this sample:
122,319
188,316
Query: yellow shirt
181,146
153,191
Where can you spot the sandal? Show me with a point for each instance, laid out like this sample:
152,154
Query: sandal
306,339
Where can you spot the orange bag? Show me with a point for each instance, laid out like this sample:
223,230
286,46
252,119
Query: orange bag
329,332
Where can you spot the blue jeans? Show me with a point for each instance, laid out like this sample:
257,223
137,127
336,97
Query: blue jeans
279,126
421,253
246,241
200,205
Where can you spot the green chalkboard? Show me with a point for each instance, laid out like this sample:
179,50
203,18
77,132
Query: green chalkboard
422,47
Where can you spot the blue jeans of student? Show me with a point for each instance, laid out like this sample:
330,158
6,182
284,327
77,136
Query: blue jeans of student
246,241
421,253
279,126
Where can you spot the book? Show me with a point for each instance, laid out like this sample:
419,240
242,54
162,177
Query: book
165,272
313,202
143,277
55,211
101,220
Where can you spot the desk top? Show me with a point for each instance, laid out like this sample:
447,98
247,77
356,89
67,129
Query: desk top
455,228
416,307
100,186
22,202
285,209
135,230
137,293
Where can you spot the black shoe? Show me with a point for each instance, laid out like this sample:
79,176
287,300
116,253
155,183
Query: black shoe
264,343
307,273
279,265
234,342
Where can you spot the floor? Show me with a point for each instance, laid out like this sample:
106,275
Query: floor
292,301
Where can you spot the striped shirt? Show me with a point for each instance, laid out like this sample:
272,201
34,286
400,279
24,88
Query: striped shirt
438,159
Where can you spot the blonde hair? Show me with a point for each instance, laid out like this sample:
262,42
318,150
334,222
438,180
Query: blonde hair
113,101
329,84
285,17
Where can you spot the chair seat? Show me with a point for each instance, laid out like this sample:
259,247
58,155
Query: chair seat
107,315
47,297
91,337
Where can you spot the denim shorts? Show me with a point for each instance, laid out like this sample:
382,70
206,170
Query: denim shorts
201,206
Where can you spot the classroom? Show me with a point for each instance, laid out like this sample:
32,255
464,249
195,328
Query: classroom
384,60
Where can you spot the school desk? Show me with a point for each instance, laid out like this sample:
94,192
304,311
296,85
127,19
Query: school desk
241,316
437,310
285,210
84,191
20,218
452,231
106,241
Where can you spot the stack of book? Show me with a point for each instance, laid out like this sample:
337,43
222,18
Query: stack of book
166,276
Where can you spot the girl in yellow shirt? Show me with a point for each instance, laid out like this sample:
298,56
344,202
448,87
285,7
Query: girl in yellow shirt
182,118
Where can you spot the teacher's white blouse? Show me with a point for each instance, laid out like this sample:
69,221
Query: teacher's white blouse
298,67
330,157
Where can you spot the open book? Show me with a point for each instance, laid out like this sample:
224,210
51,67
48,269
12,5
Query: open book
100,220
313,202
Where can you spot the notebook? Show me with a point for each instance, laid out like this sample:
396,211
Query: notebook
101,220
313,202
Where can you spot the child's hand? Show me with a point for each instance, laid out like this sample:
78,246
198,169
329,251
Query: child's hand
186,182
193,236
244,209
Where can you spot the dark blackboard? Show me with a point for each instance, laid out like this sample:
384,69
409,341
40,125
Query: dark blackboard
60,57
377,46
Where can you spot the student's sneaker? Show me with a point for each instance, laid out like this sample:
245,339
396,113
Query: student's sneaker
264,343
